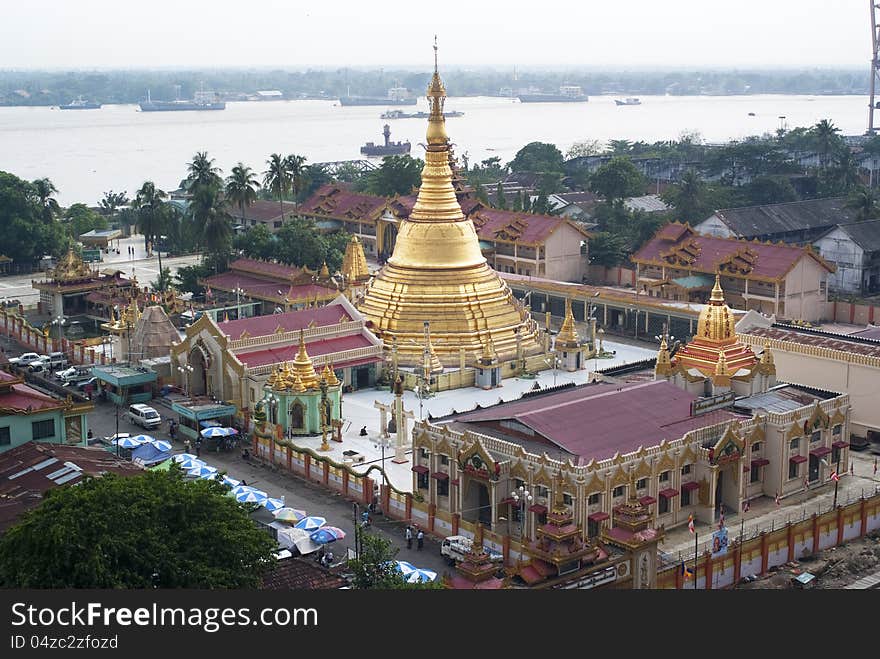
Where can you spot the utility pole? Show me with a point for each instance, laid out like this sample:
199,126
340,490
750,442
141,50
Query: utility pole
875,67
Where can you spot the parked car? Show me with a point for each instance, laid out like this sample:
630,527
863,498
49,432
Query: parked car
57,360
92,381
66,374
456,547
25,359
144,416
39,365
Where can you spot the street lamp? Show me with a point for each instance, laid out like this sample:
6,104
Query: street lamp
238,293
272,402
521,498
553,363
59,321
423,390
383,443
186,370
781,124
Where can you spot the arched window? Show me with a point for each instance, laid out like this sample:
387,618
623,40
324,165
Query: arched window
297,415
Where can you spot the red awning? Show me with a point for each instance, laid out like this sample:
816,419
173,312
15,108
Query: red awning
647,500
669,492
840,444
538,508
820,452
598,517
420,469
692,485
760,462
454,481
798,458
440,475
509,500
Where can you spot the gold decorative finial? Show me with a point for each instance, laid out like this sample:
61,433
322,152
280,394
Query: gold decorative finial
567,333
435,53
721,366
717,293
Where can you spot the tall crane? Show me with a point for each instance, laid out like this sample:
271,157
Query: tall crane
875,66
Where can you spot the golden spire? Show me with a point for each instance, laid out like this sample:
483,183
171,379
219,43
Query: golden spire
302,365
767,356
325,272
717,296
298,385
329,376
272,380
664,361
721,366
567,333
354,263
489,354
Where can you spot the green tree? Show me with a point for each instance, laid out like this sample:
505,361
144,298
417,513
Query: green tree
397,175
584,148
375,568
80,219
276,179
163,281
517,203
299,243
768,190
111,201
314,176
687,197
619,147
241,188
481,195
212,223
256,243
827,139
864,202
202,172
842,176
295,166
500,201
25,233
147,202
156,530
538,157
188,276
49,208
607,249
616,180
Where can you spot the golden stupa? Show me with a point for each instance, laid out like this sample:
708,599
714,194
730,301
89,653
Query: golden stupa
438,274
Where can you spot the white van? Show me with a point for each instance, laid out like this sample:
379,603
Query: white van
144,416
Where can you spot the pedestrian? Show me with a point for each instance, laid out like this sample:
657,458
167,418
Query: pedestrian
420,539
90,434
186,445
198,448
243,482
408,535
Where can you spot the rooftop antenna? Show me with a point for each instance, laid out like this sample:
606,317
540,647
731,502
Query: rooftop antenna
875,66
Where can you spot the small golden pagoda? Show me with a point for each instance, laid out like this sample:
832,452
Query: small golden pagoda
303,367
716,336
568,347
438,273
125,320
354,263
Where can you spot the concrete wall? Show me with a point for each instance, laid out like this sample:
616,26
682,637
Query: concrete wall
804,297
21,428
843,252
714,227
563,258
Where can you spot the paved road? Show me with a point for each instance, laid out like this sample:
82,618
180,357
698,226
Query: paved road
297,492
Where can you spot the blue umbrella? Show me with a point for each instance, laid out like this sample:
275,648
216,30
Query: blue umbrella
202,471
238,489
192,463
181,457
310,523
327,534
161,444
413,574
144,438
273,504
218,432
254,496
231,482
126,442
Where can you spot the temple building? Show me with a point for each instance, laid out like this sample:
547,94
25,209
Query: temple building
275,285
72,288
702,430
438,274
233,360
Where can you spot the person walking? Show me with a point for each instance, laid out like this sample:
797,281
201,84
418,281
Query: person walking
408,535
198,448
420,540
186,445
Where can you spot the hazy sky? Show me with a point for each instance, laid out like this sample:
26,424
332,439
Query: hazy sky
552,33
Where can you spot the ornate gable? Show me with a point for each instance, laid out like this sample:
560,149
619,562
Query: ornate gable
683,254
818,419
476,461
741,262
727,449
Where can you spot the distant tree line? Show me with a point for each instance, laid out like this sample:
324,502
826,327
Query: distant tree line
58,87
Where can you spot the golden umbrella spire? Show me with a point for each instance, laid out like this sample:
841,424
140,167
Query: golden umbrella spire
302,365
567,333
717,294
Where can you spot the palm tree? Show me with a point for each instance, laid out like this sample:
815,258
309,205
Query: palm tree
212,222
113,200
619,147
687,196
825,136
44,189
864,203
845,172
202,172
241,188
295,166
148,203
276,179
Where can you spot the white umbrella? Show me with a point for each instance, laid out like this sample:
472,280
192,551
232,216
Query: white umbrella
251,497
126,442
193,463
161,444
218,432
273,504
144,438
311,523
231,482
202,471
180,457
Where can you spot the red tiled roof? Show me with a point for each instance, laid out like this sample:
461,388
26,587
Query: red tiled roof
261,210
315,349
288,322
268,290
596,421
337,202
707,253
23,397
819,340
297,573
267,268
512,226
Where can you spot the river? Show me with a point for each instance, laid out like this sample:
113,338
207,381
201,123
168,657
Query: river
87,152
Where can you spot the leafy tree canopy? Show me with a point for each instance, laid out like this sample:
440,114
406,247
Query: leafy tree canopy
617,179
396,175
82,219
152,530
376,570
538,157
27,231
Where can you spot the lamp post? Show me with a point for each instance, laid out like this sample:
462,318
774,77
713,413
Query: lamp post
59,321
553,363
238,293
186,370
272,404
383,443
522,498
836,473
